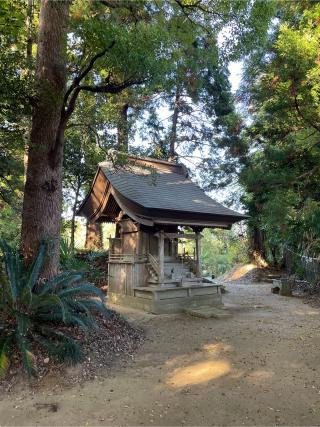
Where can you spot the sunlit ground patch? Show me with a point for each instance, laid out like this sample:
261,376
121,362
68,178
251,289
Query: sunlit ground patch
199,373
241,271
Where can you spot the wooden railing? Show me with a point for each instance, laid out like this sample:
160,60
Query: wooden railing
154,263
127,258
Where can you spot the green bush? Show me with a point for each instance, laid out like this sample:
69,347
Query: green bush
36,313
68,259
85,261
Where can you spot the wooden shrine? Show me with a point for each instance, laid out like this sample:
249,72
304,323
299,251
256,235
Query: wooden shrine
154,204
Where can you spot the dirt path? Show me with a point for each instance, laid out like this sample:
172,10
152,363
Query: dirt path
260,367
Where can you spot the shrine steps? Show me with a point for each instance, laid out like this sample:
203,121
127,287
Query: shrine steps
174,272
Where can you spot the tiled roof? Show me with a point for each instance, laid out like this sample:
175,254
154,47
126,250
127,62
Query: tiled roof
159,188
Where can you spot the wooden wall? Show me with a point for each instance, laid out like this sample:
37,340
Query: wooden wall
123,277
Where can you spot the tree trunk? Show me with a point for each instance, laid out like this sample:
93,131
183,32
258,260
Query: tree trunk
42,203
94,236
258,245
175,117
29,29
123,129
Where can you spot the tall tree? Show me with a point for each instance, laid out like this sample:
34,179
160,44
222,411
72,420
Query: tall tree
43,188
280,173
102,48
201,122
54,105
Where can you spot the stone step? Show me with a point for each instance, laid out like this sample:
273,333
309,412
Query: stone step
175,263
169,267
180,268
207,312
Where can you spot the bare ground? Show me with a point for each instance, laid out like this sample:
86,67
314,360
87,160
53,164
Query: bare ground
260,367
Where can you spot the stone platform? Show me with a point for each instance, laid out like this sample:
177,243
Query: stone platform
166,300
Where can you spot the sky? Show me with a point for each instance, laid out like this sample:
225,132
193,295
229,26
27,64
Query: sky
235,69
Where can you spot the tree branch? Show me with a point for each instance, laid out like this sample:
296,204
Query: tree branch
198,6
111,88
94,131
298,109
85,72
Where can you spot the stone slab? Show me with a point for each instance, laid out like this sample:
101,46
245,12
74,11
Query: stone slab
207,312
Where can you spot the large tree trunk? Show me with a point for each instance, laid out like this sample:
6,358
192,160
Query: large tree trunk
175,118
42,202
94,239
123,129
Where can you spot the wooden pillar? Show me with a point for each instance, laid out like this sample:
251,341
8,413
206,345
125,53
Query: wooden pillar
161,256
198,254
175,253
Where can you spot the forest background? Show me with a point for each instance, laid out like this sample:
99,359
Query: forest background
152,78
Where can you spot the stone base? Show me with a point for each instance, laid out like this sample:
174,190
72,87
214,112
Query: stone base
207,312
282,287
161,300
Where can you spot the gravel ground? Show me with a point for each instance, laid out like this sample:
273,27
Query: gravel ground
313,300
259,368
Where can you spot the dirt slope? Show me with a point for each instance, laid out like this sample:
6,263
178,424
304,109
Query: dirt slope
260,367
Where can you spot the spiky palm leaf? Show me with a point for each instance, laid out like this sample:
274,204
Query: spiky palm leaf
5,342
31,311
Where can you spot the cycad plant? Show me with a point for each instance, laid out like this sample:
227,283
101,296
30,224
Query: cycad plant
33,312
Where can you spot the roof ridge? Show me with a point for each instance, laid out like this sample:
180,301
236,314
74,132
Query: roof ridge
148,159
155,160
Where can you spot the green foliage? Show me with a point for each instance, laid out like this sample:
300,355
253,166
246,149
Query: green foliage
83,262
195,89
172,48
33,312
68,260
280,170
158,49
221,250
9,223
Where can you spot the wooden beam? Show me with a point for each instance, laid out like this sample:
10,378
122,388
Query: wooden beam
180,235
193,223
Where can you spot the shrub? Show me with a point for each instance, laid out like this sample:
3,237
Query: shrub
86,261
33,312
